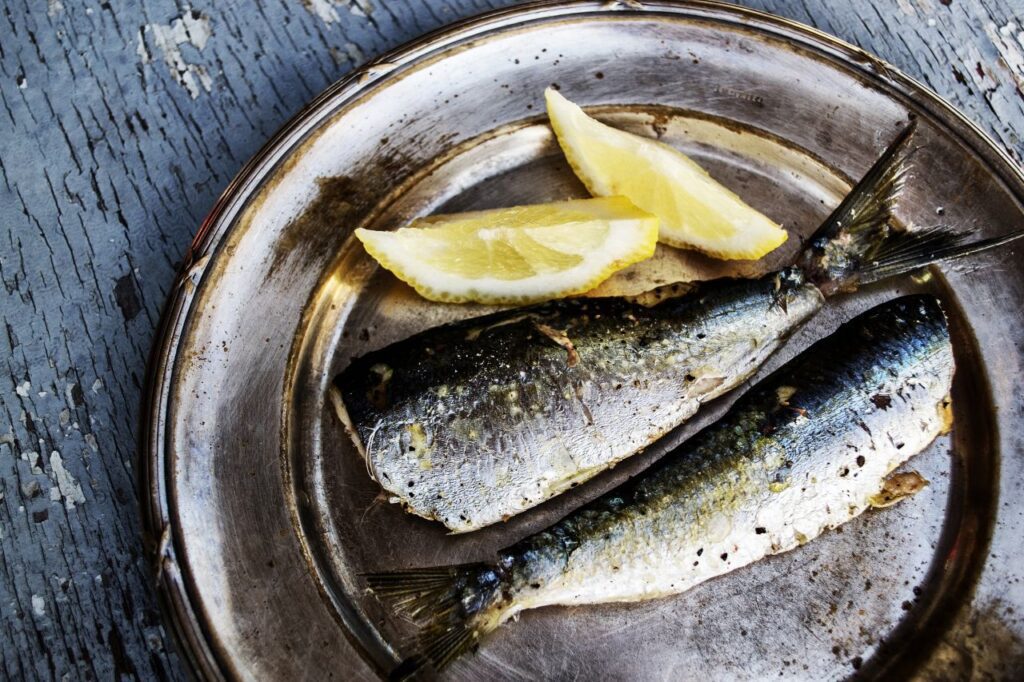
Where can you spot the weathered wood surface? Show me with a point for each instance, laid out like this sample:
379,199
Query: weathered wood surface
121,122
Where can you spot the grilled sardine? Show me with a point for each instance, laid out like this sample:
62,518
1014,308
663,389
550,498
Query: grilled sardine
805,450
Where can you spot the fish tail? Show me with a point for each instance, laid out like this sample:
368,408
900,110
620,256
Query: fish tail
905,252
859,242
454,606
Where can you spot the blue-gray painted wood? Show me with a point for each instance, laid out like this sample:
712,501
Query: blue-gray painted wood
120,124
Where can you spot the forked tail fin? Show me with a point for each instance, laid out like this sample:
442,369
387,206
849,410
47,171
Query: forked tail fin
904,252
858,244
454,606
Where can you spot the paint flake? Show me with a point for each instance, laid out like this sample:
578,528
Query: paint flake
1008,41
191,28
327,10
70,490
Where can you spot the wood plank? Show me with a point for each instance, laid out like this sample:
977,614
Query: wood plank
121,123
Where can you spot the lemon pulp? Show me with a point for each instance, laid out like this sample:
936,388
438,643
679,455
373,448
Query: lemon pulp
516,255
696,211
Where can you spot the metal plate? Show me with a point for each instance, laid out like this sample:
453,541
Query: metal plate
261,513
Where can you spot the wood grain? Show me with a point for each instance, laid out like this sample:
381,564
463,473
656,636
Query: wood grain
120,124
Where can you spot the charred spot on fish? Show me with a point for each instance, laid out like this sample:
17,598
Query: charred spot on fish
897,487
701,335
411,483
700,551
882,401
535,586
760,531
561,339
725,556
857,663
798,411
689,377
844,472
378,393
860,460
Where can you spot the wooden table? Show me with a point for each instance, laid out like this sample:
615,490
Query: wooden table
120,126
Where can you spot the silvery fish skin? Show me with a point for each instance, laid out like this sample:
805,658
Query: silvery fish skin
473,422
806,450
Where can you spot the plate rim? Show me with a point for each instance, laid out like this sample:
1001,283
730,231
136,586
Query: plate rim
161,538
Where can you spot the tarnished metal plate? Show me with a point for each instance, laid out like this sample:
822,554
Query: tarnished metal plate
262,513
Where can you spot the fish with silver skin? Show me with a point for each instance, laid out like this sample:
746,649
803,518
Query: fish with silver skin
473,422
477,421
806,450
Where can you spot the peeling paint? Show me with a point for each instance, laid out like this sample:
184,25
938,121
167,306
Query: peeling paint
351,53
38,605
54,7
327,10
70,490
1008,41
97,386
975,63
32,457
23,388
90,439
354,53
192,28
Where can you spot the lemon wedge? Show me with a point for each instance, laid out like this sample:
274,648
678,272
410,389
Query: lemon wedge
696,212
516,255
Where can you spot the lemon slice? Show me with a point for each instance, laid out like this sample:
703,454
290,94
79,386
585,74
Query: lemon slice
516,255
696,212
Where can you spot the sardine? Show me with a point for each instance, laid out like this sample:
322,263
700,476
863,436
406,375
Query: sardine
806,450
473,422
